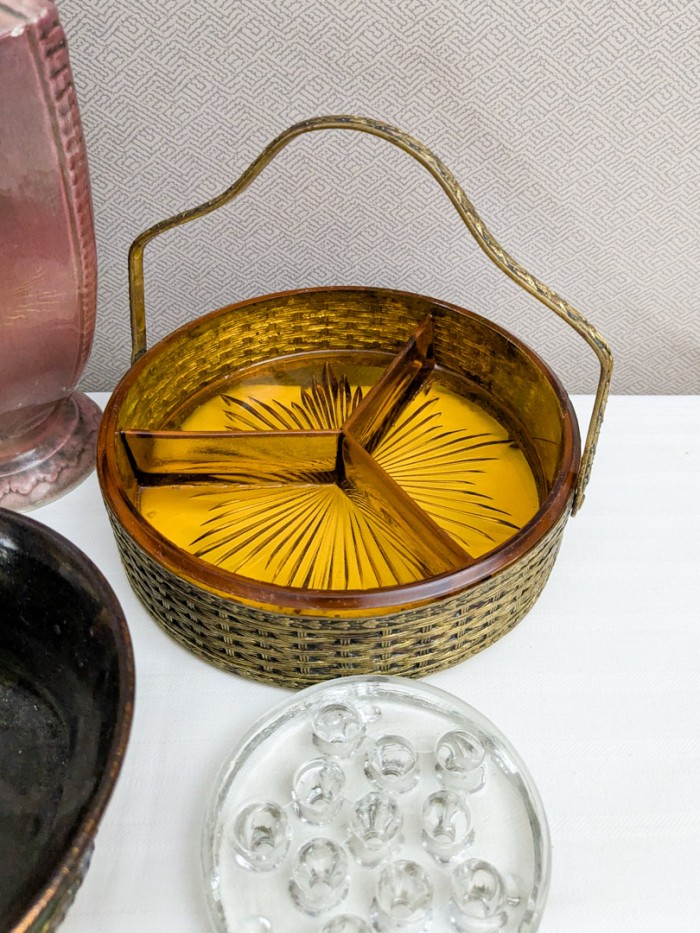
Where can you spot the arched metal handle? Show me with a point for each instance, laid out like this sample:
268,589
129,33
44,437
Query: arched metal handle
464,208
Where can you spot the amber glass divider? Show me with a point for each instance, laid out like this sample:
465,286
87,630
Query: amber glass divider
162,457
438,551
394,389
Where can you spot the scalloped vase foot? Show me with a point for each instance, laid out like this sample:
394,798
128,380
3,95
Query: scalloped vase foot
64,458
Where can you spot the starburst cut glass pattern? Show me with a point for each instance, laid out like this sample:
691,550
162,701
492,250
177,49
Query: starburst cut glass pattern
337,472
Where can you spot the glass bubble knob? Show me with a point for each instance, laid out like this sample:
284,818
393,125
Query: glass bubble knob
317,790
460,761
375,828
338,729
392,764
403,899
260,836
446,829
320,878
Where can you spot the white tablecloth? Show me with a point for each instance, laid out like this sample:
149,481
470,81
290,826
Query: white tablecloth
598,689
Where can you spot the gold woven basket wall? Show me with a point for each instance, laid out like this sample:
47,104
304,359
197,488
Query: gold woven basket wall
300,634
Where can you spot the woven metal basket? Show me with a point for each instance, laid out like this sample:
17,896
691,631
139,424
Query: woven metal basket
298,635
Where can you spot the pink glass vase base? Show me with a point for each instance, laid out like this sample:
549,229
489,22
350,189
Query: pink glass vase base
48,269
62,458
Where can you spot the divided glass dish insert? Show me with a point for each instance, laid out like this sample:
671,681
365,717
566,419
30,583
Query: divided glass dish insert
337,471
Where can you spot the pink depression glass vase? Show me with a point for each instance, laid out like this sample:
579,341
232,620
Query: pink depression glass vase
48,271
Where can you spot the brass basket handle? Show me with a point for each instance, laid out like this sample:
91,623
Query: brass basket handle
464,208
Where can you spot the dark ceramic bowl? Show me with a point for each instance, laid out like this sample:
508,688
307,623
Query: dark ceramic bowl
66,700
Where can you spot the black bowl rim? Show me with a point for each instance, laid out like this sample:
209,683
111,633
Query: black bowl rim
68,870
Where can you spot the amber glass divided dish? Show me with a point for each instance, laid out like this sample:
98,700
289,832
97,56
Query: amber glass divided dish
341,480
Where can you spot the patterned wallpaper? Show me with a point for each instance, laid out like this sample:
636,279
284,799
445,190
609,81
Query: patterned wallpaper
574,128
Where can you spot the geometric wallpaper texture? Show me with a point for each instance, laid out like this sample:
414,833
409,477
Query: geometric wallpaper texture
573,127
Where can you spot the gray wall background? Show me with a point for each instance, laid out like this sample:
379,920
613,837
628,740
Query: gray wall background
574,128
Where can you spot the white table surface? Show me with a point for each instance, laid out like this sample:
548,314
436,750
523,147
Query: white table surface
598,689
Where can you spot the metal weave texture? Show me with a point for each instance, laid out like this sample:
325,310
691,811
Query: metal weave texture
574,128
297,651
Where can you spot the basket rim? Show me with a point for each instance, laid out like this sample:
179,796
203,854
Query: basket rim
309,602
